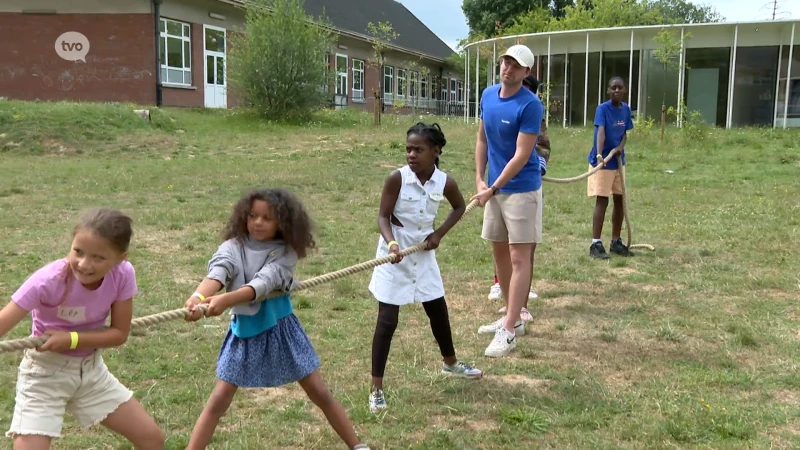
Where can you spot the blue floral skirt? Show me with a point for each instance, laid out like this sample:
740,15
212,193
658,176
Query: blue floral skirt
280,355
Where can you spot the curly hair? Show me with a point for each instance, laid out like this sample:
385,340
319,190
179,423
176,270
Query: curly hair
294,224
432,133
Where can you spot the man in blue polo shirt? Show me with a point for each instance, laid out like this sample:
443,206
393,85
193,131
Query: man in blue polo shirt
509,126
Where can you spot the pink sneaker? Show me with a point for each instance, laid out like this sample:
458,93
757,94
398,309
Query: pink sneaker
525,315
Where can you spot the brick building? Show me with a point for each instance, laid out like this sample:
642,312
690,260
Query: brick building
182,62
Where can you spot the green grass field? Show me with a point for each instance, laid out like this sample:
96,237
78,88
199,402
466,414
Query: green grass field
694,345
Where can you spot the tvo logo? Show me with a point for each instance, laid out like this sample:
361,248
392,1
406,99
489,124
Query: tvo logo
72,46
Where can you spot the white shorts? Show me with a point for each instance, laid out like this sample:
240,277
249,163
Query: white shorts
49,384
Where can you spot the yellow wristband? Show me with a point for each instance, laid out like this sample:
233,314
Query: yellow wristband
200,296
74,337
389,245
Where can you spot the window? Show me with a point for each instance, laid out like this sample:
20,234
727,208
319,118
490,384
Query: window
413,85
358,79
176,56
460,91
401,83
388,82
453,90
444,89
423,89
341,74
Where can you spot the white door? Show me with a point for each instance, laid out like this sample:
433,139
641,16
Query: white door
215,67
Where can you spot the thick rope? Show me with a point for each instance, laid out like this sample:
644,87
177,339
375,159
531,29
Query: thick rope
180,313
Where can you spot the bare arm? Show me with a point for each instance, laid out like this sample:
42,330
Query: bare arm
601,142
481,156
623,141
525,144
391,190
10,316
456,199
115,335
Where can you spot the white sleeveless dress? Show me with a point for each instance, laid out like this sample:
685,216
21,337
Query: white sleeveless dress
417,278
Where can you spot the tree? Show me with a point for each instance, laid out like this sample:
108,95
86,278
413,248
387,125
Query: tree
278,65
668,53
381,35
587,14
489,17
682,11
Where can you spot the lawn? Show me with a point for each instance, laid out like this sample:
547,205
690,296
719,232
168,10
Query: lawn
694,345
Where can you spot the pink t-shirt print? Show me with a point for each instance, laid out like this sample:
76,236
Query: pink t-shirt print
83,309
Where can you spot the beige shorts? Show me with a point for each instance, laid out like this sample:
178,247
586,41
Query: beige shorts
49,384
603,183
514,218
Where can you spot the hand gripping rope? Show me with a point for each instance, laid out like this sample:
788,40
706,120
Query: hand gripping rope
34,342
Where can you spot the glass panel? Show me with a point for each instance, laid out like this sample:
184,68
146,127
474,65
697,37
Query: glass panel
341,64
793,108
186,32
187,55
175,76
706,85
660,86
174,52
163,75
161,25
162,45
577,89
187,77
215,40
220,71
617,64
174,28
209,69
754,86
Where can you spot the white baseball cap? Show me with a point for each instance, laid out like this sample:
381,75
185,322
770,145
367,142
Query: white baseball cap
521,53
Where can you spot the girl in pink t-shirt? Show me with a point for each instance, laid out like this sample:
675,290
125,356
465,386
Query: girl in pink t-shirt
69,300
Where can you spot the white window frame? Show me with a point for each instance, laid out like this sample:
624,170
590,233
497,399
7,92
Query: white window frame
453,88
186,58
341,74
401,83
460,85
388,86
358,73
423,86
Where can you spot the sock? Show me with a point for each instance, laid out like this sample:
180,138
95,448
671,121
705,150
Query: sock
496,280
594,241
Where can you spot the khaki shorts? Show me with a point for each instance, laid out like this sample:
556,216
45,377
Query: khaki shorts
49,384
514,218
603,183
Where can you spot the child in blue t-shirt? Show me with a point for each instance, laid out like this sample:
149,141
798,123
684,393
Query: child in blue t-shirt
612,120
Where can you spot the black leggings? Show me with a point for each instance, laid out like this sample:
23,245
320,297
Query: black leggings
387,323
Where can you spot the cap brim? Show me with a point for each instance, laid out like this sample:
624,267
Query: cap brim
515,59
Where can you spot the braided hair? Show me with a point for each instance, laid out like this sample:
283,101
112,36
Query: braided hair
431,133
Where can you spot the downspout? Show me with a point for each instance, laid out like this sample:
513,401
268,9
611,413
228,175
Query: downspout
157,18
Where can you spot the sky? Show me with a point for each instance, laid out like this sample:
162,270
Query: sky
447,20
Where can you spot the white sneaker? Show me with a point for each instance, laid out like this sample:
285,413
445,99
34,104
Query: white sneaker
532,293
519,327
495,293
502,344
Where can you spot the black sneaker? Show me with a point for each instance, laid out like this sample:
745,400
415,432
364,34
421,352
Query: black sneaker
618,248
597,250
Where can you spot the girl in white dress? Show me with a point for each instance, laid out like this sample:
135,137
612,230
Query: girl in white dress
409,203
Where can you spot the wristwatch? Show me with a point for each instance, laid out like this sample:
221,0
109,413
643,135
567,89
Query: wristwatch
494,189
